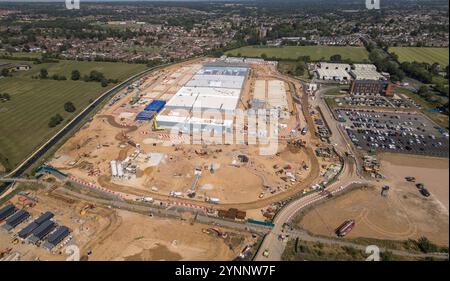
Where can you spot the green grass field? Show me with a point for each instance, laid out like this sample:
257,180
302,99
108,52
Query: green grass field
24,119
428,55
356,54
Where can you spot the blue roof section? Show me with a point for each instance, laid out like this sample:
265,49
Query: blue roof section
26,231
7,211
58,235
42,218
156,105
43,229
145,115
17,218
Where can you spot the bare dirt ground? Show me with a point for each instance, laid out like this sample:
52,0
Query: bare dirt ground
432,172
403,214
141,237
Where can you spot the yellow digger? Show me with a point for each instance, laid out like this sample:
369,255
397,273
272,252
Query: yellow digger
85,208
155,127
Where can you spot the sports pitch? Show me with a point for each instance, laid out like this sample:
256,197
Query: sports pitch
428,55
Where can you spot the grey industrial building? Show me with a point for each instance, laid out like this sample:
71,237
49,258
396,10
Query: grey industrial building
7,211
56,237
16,219
40,232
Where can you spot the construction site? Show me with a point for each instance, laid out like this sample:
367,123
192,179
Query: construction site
144,143
150,175
97,232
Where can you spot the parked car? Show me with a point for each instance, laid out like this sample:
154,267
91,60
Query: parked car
425,192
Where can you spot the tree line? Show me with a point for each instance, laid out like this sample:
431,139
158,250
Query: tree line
94,76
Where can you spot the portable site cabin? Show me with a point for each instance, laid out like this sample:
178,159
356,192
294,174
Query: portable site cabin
56,237
156,106
7,211
16,219
40,232
145,115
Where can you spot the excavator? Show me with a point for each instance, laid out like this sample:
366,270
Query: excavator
155,127
85,208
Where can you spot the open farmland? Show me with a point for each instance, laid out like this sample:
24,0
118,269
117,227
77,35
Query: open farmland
428,55
24,119
356,54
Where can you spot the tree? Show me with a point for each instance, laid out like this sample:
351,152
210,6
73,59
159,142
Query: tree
104,82
55,121
75,75
387,256
425,245
336,58
69,107
5,72
422,90
43,73
435,68
5,97
300,69
96,76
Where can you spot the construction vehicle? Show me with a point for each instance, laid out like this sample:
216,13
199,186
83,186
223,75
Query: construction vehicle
424,192
15,241
420,186
215,231
155,126
410,179
385,190
85,208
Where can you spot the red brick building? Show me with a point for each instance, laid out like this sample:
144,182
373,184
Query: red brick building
372,87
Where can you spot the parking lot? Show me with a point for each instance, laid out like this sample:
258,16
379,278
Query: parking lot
375,101
394,132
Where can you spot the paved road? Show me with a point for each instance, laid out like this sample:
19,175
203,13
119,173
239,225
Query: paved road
272,243
339,138
348,177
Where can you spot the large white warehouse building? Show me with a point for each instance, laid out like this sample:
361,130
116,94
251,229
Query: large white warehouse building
215,87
